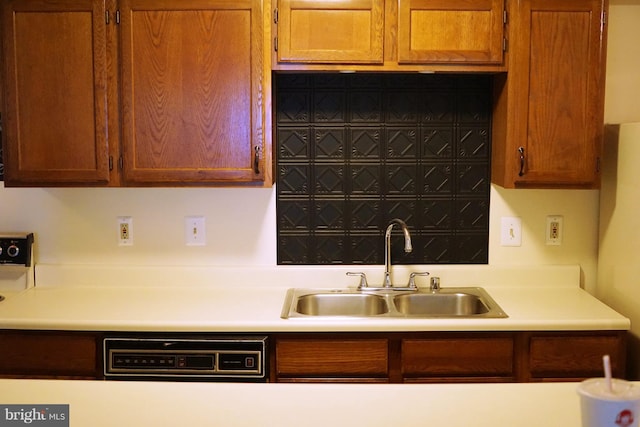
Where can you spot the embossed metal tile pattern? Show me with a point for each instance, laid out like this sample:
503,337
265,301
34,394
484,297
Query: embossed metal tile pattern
356,150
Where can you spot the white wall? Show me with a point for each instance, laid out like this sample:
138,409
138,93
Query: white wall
619,255
79,225
619,244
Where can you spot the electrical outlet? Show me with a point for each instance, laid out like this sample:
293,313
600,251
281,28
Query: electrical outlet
125,231
194,231
511,231
554,230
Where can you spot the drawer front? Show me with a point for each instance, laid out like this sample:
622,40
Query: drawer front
458,357
573,356
48,354
332,357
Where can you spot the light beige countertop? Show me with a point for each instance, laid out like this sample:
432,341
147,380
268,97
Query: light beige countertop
148,301
140,404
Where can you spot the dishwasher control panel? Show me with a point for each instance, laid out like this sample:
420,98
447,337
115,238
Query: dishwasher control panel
220,358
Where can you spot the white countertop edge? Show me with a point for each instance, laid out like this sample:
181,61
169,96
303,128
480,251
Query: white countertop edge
140,403
356,326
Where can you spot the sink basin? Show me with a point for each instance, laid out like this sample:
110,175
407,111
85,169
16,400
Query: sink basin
462,302
440,304
338,304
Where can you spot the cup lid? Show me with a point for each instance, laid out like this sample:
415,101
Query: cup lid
597,388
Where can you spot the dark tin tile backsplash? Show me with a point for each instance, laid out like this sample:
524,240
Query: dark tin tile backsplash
356,150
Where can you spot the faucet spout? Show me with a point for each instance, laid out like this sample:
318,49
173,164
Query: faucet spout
387,248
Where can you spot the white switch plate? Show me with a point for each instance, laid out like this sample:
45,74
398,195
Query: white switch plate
511,231
553,235
194,231
125,231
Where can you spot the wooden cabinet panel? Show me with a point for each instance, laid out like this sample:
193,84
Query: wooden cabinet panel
332,358
55,92
465,357
360,357
342,31
378,35
565,356
48,354
192,82
519,356
445,31
550,106
180,81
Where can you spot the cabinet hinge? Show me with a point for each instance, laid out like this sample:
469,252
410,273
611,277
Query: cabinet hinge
120,163
505,44
604,18
275,44
106,17
275,15
110,163
504,17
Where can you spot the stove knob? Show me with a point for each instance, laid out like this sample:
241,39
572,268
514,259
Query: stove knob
13,251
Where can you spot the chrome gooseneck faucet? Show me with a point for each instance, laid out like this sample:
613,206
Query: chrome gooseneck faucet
387,248
386,284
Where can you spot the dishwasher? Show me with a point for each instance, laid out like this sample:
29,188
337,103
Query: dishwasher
237,358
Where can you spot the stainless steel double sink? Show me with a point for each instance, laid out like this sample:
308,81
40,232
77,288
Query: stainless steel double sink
463,302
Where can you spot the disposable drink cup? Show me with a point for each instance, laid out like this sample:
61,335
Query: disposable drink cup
604,407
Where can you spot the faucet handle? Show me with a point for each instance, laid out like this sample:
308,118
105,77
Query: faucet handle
412,279
363,279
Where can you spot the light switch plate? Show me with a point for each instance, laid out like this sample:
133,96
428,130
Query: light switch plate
511,231
194,231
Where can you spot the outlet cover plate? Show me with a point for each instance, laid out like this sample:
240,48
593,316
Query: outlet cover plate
125,231
554,228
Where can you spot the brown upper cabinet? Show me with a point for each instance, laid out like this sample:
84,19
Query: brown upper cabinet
135,92
389,35
56,99
549,107
342,31
446,31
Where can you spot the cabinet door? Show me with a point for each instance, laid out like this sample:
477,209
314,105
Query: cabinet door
341,31
55,92
458,358
49,354
191,91
554,357
557,72
450,31
332,360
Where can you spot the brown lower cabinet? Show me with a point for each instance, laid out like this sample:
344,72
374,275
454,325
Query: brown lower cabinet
423,357
359,357
50,354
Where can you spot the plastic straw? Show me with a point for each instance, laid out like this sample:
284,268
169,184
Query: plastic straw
606,361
